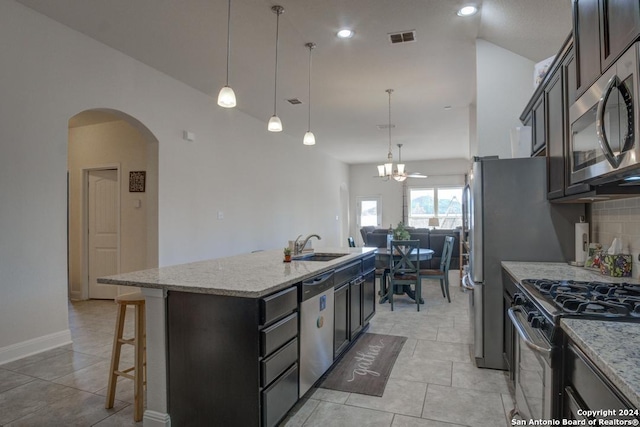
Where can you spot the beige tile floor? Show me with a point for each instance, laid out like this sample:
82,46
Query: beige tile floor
432,384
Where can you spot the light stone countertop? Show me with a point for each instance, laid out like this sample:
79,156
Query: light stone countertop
614,347
250,275
559,271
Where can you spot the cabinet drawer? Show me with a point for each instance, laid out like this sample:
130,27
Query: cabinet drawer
275,336
280,397
369,263
347,273
277,305
278,362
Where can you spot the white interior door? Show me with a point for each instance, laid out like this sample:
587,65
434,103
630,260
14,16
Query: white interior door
104,226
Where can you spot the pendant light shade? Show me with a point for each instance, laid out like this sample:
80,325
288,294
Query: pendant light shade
227,97
309,137
275,125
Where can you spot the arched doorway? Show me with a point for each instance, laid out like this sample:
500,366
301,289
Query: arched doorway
112,200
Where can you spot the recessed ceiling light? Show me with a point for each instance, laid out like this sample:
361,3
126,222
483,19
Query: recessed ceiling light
468,11
345,33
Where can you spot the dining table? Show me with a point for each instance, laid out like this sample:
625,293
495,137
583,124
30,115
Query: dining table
383,257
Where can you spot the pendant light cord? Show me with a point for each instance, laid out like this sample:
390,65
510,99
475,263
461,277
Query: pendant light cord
311,46
390,156
275,91
228,38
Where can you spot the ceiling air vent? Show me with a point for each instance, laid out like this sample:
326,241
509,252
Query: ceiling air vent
294,101
386,126
403,37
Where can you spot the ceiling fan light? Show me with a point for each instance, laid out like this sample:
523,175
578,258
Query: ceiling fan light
381,171
399,178
468,10
227,97
275,125
309,138
345,33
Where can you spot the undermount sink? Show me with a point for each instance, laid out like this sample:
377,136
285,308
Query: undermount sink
317,257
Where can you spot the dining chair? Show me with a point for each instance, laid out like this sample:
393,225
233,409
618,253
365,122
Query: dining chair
443,272
352,243
404,268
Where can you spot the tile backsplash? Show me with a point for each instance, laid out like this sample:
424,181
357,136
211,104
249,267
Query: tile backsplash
618,218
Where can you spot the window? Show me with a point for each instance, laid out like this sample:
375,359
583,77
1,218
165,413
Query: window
443,203
369,212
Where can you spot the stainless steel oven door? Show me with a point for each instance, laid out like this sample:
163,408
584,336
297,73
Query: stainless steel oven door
604,124
532,369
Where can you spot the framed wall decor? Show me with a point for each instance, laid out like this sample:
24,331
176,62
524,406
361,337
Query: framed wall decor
137,181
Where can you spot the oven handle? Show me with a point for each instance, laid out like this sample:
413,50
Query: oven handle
546,351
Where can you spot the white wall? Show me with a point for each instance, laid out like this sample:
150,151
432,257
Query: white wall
268,186
504,86
363,183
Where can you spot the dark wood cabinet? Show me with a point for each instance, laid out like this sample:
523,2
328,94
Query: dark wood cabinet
603,30
509,290
355,302
368,296
585,388
341,319
556,114
539,128
620,27
232,361
586,31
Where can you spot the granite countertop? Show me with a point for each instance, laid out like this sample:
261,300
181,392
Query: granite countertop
614,347
559,271
250,275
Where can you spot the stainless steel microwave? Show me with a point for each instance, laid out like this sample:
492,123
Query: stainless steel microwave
604,141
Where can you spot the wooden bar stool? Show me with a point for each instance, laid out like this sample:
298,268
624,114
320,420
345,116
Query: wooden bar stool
138,342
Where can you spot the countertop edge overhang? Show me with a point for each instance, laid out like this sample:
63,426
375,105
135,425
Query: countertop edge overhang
521,270
251,275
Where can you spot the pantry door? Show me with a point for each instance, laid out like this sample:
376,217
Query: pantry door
103,220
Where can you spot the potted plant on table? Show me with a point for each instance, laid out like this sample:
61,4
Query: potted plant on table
401,233
287,254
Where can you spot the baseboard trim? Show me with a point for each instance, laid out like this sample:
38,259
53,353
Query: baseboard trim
34,346
156,419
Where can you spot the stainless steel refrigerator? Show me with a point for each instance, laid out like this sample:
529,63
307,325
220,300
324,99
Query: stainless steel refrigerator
508,218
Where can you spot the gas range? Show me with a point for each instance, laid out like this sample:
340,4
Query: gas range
550,300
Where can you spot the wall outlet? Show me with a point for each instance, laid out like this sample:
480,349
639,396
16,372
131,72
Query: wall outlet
220,215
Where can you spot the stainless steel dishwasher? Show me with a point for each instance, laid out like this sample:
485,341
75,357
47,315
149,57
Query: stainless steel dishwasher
316,329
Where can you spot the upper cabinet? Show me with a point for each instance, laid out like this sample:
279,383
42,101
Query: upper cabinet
603,30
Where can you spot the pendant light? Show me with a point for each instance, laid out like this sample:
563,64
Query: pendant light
227,97
309,137
275,125
386,170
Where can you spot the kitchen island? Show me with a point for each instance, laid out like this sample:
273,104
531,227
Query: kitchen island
207,321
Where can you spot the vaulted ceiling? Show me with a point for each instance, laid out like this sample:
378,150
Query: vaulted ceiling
187,40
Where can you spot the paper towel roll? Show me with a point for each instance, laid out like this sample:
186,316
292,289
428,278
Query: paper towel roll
582,241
